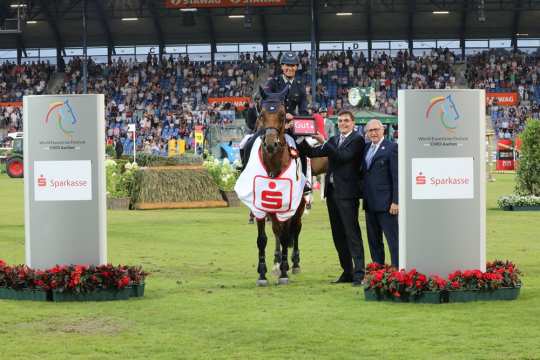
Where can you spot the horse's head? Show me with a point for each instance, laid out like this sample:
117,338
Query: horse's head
272,120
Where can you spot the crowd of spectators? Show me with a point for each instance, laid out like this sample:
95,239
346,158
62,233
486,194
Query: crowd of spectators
15,82
502,71
337,72
167,100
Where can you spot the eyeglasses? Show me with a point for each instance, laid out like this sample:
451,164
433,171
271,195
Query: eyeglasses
375,129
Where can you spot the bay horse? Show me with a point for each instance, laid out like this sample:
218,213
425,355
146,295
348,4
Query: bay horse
276,155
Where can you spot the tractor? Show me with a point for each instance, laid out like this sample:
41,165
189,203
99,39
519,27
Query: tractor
14,158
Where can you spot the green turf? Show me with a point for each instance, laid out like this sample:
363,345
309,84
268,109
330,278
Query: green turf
202,303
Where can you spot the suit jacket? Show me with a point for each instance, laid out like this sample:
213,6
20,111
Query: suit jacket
295,99
344,164
381,178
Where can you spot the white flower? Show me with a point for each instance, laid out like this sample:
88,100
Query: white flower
110,162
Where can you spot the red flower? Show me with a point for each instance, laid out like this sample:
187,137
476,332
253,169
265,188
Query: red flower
123,282
455,284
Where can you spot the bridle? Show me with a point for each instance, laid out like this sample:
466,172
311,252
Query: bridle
270,107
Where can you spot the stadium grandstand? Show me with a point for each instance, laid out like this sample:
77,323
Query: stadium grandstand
158,62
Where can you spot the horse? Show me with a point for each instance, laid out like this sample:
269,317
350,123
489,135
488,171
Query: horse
276,156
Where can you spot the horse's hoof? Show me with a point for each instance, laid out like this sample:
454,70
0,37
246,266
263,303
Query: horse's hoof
283,281
296,270
262,282
275,270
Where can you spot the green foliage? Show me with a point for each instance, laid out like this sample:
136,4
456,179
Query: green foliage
173,185
518,200
223,173
109,150
528,173
149,160
120,178
2,168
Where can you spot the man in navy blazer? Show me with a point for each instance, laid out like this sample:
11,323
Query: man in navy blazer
381,193
343,188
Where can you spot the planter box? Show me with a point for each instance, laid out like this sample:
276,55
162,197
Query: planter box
137,290
23,294
477,295
372,295
98,295
430,297
231,198
118,203
526,208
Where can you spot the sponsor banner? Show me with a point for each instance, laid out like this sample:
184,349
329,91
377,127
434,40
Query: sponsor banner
63,180
505,155
505,165
238,101
172,147
181,4
199,135
442,178
11,103
304,127
503,99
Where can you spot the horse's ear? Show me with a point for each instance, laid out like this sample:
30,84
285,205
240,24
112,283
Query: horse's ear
263,93
283,93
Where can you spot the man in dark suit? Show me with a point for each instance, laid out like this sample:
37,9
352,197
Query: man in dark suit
343,187
381,193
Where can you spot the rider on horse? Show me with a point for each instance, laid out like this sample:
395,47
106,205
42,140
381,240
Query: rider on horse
295,101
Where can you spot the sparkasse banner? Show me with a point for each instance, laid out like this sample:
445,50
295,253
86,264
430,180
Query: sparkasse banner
64,180
441,180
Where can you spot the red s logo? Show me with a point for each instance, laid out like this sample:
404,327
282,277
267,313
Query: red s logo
41,181
272,199
420,179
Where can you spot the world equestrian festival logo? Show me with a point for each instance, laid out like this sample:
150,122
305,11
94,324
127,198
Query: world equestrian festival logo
445,110
64,116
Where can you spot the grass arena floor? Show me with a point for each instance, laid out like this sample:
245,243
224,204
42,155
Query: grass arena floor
201,301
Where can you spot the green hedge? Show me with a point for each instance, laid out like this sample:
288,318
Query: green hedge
174,185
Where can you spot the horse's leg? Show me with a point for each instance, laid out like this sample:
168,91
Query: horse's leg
277,256
261,244
295,258
295,228
282,230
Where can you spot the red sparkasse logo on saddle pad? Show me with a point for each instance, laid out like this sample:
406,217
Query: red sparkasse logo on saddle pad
273,195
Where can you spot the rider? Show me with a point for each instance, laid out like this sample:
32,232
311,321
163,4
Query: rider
295,100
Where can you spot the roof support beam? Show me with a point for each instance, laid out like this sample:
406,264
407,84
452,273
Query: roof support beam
515,23
410,25
159,31
212,36
54,27
264,35
369,23
106,28
463,27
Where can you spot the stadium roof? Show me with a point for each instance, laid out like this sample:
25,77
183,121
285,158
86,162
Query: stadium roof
59,22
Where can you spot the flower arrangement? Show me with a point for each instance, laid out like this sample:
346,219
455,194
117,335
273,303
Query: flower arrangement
223,172
71,278
508,201
391,282
120,180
